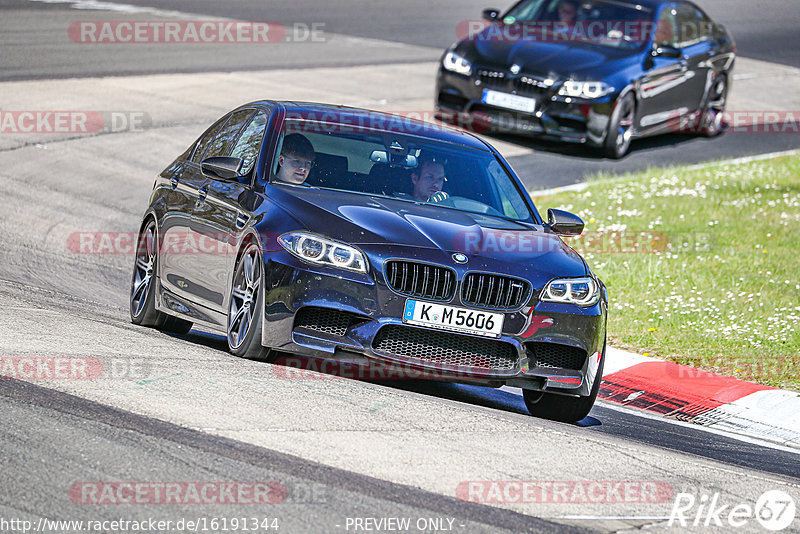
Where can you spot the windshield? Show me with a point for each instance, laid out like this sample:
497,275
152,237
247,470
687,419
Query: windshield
605,22
403,167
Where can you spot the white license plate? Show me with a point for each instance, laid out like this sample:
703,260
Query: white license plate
505,100
481,323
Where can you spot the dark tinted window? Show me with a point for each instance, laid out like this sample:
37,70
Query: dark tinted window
225,139
249,143
693,25
202,144
667,27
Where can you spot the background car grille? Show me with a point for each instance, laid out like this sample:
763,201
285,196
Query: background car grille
421,279
492,78
326,320
444,348
555,355
493,291
530,85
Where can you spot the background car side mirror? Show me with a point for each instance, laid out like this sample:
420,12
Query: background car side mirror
491,13
564,223
222,167
667,51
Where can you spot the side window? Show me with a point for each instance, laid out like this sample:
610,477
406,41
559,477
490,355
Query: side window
693,25
513,206
667,27
249,143
223,142
202,144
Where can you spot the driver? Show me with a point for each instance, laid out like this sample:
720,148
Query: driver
296,159
428,179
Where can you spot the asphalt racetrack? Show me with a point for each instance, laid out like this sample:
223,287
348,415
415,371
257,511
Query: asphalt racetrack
337,455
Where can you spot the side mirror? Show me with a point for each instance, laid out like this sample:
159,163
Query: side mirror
564,223
491,14
667,51
222,167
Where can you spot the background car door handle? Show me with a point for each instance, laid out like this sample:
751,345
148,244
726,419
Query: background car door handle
174,181
203,192
241,220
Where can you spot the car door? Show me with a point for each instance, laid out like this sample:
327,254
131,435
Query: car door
227,208
176,251
698,49
199,257
662,88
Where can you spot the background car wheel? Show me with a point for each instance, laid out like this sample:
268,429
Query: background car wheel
620,128
245,314
142,299
713,115
560,407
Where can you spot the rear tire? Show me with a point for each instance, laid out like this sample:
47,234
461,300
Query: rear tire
142,295
246,309
620,128
560,407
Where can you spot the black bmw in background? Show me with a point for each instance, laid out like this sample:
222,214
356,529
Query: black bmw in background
600,72
352,235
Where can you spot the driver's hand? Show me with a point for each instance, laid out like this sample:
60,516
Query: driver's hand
438,196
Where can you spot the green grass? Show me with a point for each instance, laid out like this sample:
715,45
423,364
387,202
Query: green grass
701,265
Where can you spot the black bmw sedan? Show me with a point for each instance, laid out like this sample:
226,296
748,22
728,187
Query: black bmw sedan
343,234
600,72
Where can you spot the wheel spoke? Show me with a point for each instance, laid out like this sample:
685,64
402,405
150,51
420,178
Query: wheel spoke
142,264
149,242
238,293
248,269
245,322
139,289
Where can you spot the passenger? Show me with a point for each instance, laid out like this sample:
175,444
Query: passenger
296,159
428,180
568,11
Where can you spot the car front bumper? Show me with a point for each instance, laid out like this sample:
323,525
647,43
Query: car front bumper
459,100
323,312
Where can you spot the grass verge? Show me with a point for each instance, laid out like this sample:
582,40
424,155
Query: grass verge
701,264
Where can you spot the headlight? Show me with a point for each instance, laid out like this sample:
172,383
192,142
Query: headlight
455,63
587,90
316,249
584,291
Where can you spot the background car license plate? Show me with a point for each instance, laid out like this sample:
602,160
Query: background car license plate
505,100
481,323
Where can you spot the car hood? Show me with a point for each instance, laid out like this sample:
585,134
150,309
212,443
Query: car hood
555,58
385,227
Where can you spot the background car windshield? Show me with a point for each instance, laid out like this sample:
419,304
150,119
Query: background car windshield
608,23
386,164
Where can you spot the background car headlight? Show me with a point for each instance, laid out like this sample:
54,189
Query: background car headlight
585,89
315,249
584,291
455,63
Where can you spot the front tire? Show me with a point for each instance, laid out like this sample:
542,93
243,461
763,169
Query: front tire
620,128
245,313
560,407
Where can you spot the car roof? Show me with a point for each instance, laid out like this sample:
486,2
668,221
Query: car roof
377,120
